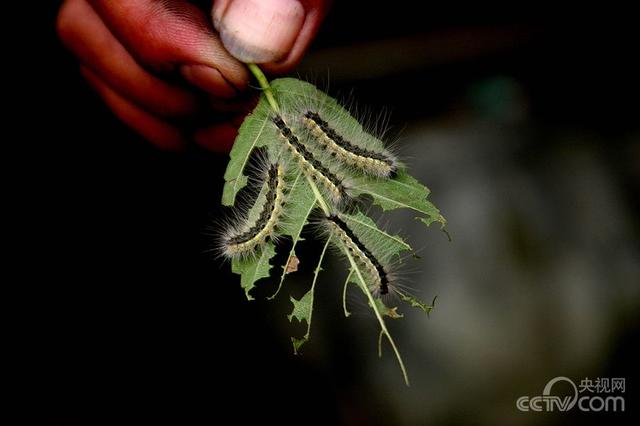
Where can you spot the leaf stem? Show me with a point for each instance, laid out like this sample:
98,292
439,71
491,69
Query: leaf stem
264,85
383,325
295,237
313,285
316,192
344,294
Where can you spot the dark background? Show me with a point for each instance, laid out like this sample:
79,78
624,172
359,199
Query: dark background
128,318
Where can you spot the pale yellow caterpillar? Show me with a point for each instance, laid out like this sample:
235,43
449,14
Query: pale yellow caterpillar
244,240
376,163
376,271
309,164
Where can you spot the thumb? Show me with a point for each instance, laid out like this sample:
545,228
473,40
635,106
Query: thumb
275,32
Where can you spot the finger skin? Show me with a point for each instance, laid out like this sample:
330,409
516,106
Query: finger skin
158,132
217,138
316,10
84,33
164,34
208,79
241,31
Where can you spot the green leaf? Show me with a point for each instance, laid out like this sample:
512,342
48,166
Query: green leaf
404,191
416,303
251,270
303,308
255,132
297,214
302,311
371,235
379,313
299,208
387,311
297,343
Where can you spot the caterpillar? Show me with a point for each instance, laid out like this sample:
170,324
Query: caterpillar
362,254
243,241
309,164
381,164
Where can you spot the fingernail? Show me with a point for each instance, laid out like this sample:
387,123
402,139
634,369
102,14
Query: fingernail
208,79
259,31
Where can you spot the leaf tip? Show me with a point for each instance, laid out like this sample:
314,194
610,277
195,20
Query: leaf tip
297,344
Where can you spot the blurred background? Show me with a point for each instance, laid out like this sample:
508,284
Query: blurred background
525,131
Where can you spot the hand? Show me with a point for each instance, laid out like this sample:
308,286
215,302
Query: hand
152,61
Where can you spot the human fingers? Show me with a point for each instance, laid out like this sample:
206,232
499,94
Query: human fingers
84,33
273,33
217,137
152,128
174,35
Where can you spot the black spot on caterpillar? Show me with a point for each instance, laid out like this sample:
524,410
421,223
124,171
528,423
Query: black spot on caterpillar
361,252
244,242
376,163
309,164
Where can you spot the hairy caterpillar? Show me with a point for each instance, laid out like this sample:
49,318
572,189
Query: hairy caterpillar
309,163
244,240
376,163
359,250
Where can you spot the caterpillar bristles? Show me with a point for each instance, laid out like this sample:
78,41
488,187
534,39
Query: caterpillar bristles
381,164
375,265
262,220
351,144
310,165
